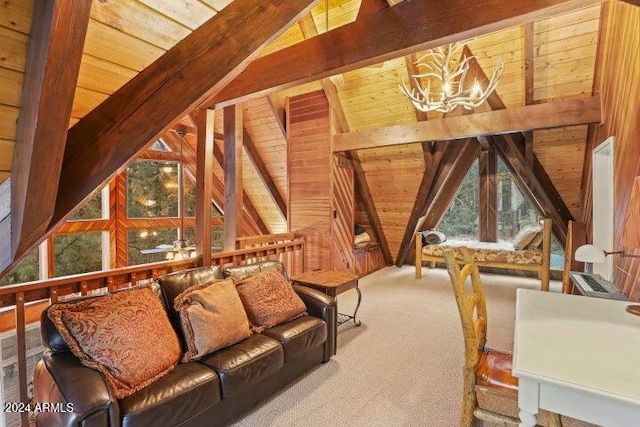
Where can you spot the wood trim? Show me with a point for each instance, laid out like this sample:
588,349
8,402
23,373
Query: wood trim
204,194
540,116
406,28
58,30
367,7
152,101
233,194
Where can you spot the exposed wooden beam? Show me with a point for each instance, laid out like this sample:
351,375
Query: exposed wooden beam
488,196
58,30
233,194
193,70
443,160
633,2
406,28
540,116
367,7
448,183
188,130
261,168
204,191
539,188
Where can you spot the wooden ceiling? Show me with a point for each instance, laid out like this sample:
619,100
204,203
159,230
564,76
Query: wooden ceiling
546,60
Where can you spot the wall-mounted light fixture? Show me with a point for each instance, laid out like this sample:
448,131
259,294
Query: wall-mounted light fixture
592,254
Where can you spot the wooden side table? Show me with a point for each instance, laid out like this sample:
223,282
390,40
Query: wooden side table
332,283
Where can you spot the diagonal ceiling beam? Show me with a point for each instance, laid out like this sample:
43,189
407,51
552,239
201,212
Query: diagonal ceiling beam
406,28
194,69
261,168
58,30
445,156
539,116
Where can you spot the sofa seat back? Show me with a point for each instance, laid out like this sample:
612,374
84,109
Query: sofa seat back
239,272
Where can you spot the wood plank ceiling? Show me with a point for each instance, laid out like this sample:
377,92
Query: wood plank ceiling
124,37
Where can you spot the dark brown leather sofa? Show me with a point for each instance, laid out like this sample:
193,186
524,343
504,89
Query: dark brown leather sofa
210,392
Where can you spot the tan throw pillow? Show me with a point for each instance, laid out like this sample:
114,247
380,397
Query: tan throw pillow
125,335
536,242
212,317
525,236
269,300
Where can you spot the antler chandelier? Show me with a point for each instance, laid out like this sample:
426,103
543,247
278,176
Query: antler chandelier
454,91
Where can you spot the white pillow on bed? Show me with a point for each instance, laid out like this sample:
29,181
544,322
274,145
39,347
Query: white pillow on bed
525,236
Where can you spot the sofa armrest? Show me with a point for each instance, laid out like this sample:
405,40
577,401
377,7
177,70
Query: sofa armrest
325,307
74,394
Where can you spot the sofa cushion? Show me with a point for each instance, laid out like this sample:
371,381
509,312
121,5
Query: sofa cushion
178,396
269,299
174,284
245,363
107,333
299,335
212,317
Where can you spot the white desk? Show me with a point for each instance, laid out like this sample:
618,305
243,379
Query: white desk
577,356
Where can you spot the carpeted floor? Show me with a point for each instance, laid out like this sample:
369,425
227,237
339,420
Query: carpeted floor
403,366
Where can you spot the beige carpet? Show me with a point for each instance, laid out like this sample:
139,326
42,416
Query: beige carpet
403,366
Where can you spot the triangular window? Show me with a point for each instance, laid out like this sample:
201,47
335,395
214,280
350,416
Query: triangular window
460,221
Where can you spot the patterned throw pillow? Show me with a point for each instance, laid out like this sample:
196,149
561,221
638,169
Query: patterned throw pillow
269,300
525,236
125,335
212,317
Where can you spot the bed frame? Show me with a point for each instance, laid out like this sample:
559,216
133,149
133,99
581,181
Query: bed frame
543,269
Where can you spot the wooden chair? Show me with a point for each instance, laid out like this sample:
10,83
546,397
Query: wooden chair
490,392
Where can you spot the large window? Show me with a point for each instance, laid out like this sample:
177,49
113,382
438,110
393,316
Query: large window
150,240
77,253
152,190
26,271
514,210
460,221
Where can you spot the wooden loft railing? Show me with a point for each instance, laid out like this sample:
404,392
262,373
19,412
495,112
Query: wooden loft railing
22,304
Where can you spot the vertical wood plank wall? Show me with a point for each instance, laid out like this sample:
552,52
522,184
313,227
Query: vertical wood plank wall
309,152
321,186
620,92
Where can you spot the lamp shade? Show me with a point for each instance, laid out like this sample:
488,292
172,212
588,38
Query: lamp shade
631,230
589,253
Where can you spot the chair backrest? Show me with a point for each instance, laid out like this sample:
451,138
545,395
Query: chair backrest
471,304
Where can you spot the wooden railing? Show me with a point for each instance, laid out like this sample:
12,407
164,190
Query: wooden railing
23,304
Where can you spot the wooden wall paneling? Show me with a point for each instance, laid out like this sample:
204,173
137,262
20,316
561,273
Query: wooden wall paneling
134,109
204,170
619,79
233,194
54,54
309,145
488,196
370,207
415,25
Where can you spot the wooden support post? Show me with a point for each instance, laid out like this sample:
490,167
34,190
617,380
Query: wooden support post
233,133
21,343
204,170
488,196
